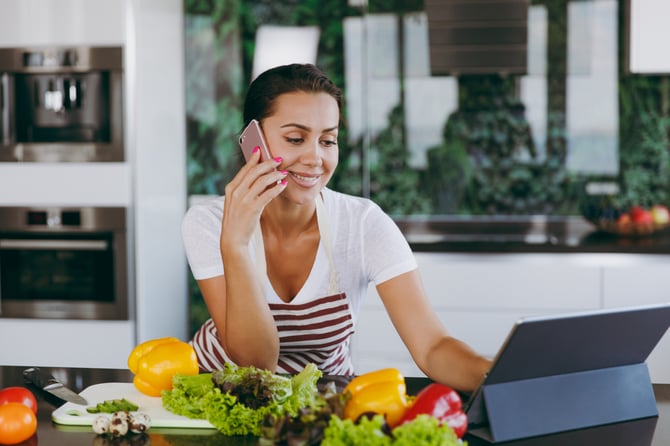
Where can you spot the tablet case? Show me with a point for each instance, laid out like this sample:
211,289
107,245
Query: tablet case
566,372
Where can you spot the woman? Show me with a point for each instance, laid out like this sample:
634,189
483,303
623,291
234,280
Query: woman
284,263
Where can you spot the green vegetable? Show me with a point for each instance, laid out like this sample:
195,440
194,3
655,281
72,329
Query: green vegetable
226,398
253,387
188,395
368,432
425,430
308,427
111,406
422,431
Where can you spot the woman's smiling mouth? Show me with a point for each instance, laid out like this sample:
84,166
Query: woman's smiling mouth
305,180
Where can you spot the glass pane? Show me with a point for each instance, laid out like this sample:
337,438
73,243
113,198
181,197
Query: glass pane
458,144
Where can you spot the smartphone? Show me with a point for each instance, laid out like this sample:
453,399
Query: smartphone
252,137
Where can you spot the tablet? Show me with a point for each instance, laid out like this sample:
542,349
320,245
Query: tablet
568,343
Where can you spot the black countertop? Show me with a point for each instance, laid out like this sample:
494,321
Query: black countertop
534,234
654,431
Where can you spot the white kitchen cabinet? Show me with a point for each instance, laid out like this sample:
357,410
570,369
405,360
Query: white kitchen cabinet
530,282
479,297
66,343
628,285
66,184
637,284
150,183
61,22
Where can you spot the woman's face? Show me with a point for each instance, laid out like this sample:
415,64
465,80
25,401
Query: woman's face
303,132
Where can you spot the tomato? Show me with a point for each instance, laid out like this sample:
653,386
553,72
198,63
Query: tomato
18,395
17,423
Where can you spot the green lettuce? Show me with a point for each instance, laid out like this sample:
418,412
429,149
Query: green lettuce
187,396
216,397
425,430
422,431
367,432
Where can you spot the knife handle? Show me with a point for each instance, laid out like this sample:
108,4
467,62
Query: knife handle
38,377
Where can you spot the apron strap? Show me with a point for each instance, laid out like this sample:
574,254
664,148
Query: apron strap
326,238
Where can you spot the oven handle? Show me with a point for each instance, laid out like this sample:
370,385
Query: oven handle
4,110
79,245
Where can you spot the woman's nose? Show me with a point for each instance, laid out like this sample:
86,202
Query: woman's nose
312,154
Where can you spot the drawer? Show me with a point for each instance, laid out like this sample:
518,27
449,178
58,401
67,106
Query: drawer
509,282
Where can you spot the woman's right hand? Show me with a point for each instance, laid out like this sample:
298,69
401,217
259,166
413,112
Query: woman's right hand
255,185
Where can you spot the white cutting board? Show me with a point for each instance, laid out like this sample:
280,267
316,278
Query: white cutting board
76,415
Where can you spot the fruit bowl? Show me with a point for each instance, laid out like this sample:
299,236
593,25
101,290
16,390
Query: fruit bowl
629,228
634,221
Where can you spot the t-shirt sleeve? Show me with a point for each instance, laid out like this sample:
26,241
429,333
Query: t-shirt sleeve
201,231
387,253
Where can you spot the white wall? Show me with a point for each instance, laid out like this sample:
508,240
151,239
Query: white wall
156,133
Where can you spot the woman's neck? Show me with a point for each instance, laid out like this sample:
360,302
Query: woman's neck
286,219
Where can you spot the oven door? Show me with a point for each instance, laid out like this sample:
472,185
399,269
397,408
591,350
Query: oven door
71,276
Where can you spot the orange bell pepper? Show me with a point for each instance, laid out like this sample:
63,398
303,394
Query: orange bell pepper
155,362
381,392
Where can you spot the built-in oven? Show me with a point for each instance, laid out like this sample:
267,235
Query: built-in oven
61,104
64,263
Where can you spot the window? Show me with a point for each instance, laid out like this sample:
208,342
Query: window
418,143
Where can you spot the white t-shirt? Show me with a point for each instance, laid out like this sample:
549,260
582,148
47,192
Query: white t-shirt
368,247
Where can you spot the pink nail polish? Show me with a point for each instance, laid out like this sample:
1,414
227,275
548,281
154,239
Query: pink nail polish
278,159
283,172
283,182
256,149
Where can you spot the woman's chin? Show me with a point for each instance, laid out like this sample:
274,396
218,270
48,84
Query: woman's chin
301,197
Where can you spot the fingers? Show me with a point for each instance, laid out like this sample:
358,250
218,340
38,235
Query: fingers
256,184
274,185
252,170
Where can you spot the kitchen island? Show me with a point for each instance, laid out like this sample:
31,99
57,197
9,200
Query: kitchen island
644,432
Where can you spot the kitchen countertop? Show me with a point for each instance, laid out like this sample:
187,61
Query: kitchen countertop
532,234
644,432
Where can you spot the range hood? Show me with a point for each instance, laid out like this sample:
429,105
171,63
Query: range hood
477,36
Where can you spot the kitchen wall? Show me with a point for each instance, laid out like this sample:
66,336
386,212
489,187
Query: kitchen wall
150,182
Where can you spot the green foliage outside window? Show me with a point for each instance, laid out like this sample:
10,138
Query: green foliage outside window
644,154
487,163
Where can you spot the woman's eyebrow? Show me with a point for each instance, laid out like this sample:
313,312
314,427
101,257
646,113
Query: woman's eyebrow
306,128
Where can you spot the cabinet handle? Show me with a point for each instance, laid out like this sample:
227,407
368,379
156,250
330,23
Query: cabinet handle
4,110
79,245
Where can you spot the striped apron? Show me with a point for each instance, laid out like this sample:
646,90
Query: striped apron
318,331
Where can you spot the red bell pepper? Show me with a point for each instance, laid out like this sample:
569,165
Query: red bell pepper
441,402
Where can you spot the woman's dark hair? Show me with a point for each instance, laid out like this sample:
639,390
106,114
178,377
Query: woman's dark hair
264,90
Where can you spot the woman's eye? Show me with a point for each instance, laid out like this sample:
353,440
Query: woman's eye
329,143
294,140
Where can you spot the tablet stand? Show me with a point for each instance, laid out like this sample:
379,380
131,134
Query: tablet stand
558,403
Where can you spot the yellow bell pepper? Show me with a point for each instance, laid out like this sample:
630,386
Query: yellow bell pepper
382,392
155,362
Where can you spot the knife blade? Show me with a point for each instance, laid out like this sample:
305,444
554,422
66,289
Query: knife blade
48,383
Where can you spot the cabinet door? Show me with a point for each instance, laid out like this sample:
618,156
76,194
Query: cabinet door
36,22
537,283
377,345
631,285
67,343
637,284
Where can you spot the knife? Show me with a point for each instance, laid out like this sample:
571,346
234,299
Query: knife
47,382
